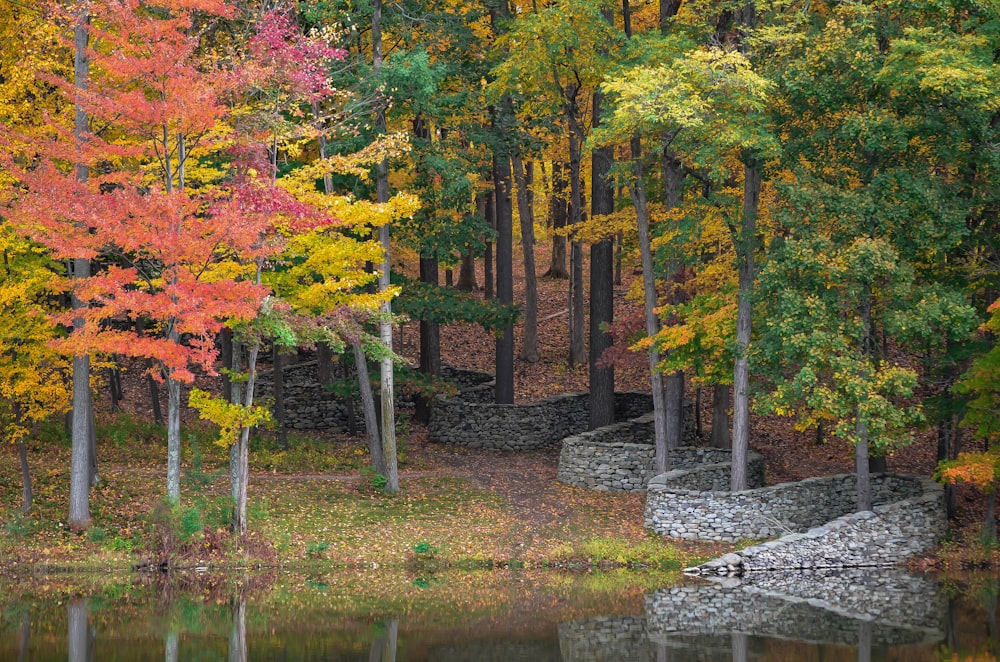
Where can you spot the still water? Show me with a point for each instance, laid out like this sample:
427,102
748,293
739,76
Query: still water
498,615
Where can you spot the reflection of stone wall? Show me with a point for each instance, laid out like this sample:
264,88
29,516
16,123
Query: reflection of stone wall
608,638
310,406
471,419
496,651
621,457
903,610
674,509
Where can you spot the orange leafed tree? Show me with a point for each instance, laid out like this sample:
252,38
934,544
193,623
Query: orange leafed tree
170,247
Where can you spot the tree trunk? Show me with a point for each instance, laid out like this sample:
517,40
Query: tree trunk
488,261
505,282
745,245
79,490
558,217
990,520
674,396
529,349
154,394
430,342
698,431
720,417
385,325
278,377
602,273
22,451
638,189
577,344
173,440
236,397
115,388
467,271
239,519
95,476
368,407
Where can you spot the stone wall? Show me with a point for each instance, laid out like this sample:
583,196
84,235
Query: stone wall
676,510
471,419
821,607
621,458
310,406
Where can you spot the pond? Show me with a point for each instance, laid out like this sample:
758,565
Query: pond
497,615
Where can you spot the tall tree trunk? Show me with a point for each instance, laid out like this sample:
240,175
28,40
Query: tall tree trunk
489,277
529,349
173,440
236,397
720,417
638,190
745,245
577,345
467,269
239,519
505,282
95,476
79,482
368,407
673,385
430,342
558,218
278,377
385,325
602,290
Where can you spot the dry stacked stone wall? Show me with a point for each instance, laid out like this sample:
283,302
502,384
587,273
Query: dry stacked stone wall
472,419
621,458
311,406
675,509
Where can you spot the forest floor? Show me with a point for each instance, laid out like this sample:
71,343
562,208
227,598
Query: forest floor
314,503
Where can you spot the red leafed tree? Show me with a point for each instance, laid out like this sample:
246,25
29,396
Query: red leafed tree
172,247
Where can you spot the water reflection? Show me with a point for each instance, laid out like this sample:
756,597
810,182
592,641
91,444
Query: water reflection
876,615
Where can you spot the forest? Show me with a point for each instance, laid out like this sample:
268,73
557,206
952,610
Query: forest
798,196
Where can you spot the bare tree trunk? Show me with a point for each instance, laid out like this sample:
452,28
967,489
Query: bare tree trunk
95,476
577,347
467,271
674,396
558,216
79,492
173,440
385,325
505,282
430,342
488,273
529,350
602,267
638,189
278,376
745,245
720,417
236,397
368,407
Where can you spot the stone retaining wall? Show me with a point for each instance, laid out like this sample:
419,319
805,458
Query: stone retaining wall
621,458
676,510
310,406
473,420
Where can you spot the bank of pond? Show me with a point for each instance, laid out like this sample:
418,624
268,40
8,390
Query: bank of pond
312,614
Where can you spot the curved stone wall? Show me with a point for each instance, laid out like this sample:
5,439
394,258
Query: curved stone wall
472,419
621,458
908,518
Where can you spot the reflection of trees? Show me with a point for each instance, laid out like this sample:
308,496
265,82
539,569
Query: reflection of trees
383,648
79,636
238,633
24,636
739,647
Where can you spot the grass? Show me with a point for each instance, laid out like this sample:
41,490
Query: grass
321,519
